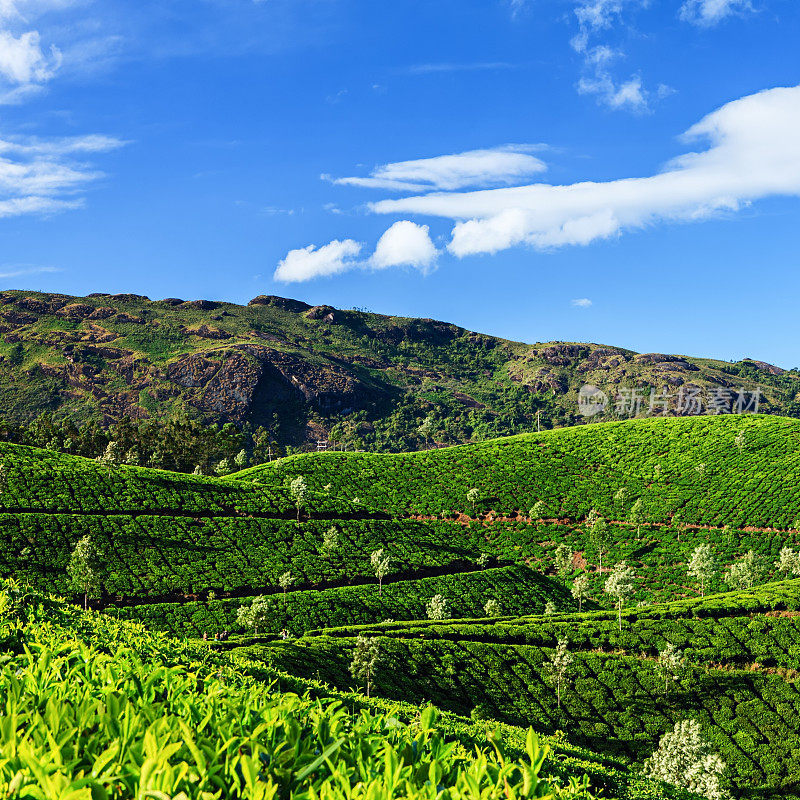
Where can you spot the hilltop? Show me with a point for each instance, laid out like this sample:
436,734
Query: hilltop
305,373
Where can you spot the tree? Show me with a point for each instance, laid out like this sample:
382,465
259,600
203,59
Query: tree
491,608
745,572
538,511
598,533
636,516
285,581
86,569
563,560
549,608
559,668
380,561
366,656
702,565
620,586
426,429
686,760
198,470
483,560
740,441
788,562
112,455
254,616
620,496
298,489
223,468
580,589
472,497
330,540
241,459
436,607
669,665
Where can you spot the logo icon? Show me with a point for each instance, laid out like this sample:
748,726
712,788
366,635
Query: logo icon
591,400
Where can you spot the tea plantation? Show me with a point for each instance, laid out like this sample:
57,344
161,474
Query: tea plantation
458,566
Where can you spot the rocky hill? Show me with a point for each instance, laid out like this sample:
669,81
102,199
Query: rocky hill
318,372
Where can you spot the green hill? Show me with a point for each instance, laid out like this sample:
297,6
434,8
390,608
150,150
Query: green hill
294,374
739,679
97,708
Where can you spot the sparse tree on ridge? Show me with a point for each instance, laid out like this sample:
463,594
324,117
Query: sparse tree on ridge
241,459
563,560
380,561
436,607
472,497
620,585
559,668
580,589
298,489
491,608
483,560
740,441
285,581
746,572
86,569
702,566
620,496
685,759
366,657
788,562
549,608
669,665
254,616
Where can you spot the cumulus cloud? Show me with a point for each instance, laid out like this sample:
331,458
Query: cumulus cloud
710,12
581,302
405,244
506,164
753,152
310,262
40,176
24,66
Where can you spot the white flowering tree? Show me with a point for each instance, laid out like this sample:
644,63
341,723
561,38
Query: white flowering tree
491,608
437,607
620,585
788,562
563,560
702,566
685,759
298,489
366,657
380,561
86,568
746,572
669,665
254,616
580,589
559,668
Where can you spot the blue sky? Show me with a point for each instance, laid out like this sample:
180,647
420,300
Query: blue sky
466,161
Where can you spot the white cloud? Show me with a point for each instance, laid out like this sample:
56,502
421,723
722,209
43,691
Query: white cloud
506,164
710,12
18,270
405,244
581,302
23,63
628,94
449,66
314,262
41,176
753,152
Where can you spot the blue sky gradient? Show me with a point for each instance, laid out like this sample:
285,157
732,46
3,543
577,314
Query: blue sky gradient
219,118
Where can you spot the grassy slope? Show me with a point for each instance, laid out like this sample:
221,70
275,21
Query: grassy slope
138,712
738,681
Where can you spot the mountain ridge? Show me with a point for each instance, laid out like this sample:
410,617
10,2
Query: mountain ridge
320,373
